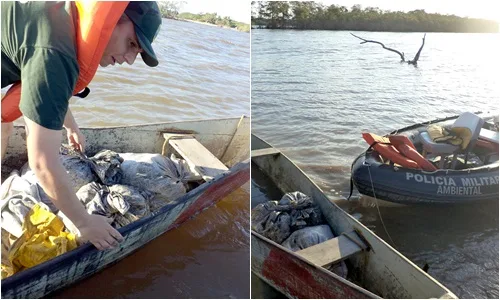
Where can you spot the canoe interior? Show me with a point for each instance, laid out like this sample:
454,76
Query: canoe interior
381,271
227,139
264,189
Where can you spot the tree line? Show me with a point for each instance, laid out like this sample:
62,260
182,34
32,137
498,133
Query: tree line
313,15
213,18
170,10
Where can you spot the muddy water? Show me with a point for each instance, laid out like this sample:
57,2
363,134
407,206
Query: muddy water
206,257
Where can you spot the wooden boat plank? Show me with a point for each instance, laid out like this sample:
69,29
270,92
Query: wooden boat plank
332,250
267,151
197,155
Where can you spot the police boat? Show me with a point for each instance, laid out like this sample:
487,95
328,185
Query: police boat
448,160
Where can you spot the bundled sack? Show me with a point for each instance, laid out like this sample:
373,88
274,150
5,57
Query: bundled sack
302,210
155,173
137,199
307,237
77,167
271,222
18,196
106,164
122,204
104,167
277,220
186,172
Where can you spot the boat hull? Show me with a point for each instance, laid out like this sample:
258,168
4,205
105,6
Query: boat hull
404,185
297,278
410,186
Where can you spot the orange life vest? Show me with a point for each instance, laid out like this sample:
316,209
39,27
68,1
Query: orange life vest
383,146
406,147
400,150
96,22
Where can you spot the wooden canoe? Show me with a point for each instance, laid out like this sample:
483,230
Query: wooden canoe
380,270
226,139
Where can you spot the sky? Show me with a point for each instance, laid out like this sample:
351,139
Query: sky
239,10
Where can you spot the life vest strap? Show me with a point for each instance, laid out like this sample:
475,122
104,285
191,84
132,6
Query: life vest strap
84,93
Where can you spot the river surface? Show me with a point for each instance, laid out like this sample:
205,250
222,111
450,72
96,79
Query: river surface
204,73
314,92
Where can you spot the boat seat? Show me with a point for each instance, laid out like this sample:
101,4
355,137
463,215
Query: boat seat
432,147
334,250
196,155
467,126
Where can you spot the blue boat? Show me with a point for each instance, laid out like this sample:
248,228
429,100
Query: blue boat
461,175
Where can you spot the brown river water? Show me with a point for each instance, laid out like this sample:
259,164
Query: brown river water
204,73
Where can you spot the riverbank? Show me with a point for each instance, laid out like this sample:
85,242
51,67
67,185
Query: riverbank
213,25
317,16
213,20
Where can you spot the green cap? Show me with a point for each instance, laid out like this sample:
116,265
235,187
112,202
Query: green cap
147,20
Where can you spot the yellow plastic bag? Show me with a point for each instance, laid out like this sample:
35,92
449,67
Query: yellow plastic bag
43,238
7,267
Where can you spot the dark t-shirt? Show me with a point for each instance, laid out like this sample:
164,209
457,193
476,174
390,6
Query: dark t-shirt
39,48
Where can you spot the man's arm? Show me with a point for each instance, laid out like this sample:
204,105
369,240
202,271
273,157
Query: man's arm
43,154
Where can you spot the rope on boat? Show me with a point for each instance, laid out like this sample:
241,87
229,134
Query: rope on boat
378,209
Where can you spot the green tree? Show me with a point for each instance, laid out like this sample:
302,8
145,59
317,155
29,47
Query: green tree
170,9
314,15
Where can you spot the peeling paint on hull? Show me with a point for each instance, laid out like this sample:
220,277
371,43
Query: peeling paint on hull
298,279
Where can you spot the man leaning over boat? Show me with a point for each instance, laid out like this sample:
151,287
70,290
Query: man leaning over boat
54,50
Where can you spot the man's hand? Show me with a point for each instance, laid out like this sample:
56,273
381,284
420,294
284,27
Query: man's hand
97,231
43,156
76,139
